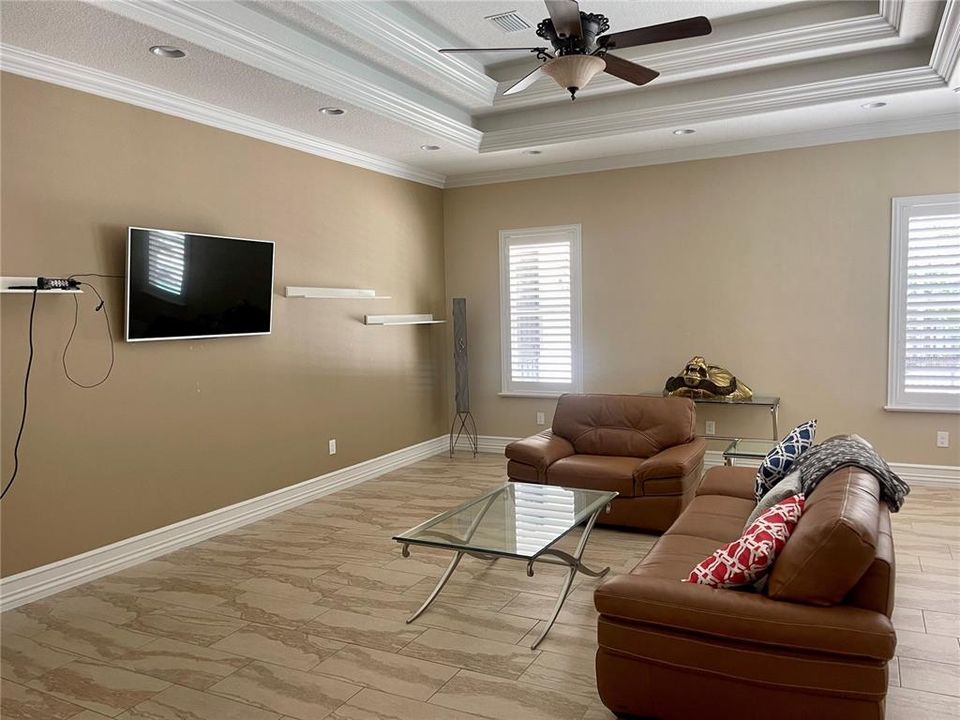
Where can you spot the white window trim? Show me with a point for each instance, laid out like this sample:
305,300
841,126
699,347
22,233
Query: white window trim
532,235
897,399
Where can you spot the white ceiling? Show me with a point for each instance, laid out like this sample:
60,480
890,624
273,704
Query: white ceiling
772,74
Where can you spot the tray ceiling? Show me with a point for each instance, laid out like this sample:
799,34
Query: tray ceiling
772,74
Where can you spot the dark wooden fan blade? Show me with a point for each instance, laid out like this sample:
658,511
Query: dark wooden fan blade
629,71
499,49
525,82
677,30
566,17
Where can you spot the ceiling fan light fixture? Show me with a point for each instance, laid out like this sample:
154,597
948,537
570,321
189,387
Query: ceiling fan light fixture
332,111
573,72
167,51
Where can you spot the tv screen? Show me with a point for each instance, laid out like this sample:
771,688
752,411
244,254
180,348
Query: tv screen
184,285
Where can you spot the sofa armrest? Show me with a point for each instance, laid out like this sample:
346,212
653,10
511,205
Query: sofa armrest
676,461
729,480
740,617
539,451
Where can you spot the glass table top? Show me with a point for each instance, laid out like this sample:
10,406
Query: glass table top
749,448
763,400
516,519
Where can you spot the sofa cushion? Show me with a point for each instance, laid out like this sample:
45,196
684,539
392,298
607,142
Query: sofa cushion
750,556
595,472
624,425
673,556
715,517
780,459
834,543
738,482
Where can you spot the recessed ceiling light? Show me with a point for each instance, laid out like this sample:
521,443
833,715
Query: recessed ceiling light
429,147
684,131
873,105
167,51
533,152
331,111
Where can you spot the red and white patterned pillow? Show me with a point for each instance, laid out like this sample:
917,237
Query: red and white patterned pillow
745,560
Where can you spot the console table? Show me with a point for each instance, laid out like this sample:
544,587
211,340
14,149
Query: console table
771,402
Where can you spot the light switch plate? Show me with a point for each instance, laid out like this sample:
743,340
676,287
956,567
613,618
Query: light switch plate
332,445
710,427
943,439
540,419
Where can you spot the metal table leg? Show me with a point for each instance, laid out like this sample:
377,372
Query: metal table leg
575,566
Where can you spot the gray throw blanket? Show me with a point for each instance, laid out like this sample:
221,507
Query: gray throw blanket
821,460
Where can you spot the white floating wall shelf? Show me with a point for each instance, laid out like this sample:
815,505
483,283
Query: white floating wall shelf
334,293
401,320
9,282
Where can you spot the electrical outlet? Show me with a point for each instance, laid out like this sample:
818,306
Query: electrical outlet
540,419
332,446
710,427
943,439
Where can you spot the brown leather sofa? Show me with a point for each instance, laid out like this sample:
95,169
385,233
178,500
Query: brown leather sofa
642,447
815,644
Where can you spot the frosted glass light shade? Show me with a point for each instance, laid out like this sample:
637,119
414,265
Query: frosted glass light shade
573,72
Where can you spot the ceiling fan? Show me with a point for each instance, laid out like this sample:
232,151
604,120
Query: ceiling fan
581,50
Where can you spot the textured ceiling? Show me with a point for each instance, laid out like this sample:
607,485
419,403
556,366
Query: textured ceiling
770,70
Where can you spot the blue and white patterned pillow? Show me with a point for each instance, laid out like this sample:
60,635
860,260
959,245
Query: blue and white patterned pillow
776,465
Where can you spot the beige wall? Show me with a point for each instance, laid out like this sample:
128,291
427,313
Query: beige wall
182,428
774,265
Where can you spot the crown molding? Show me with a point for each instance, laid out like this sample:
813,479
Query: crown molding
646,118
413,40
827,136
240,32
892,12
946,47
716,57
79,77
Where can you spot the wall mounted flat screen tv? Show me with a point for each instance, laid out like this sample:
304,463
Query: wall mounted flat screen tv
184,285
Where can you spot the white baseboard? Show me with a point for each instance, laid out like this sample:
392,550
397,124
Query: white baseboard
58,576
914,474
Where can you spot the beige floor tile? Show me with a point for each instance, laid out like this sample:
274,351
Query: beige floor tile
269,609
181,663
935,648
24,660
21,703
297,589
908,619
366,630
893,670
533,606
376,705
564,639
92,638
906,704
929,676
391,673
466,593
180,703
476,623
113,608
197,627
488,656
105,689
27,620
507,699
301,695
386,605
574,673
938,623
296,649
373,578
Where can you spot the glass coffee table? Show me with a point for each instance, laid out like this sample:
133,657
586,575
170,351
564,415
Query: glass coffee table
518,521
747,449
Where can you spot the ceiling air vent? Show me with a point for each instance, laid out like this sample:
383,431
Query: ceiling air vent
509,22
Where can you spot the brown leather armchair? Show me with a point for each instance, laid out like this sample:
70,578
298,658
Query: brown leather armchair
642,447
814,644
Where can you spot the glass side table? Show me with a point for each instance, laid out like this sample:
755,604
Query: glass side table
745,449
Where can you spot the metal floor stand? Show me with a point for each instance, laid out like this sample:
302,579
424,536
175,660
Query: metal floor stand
467,428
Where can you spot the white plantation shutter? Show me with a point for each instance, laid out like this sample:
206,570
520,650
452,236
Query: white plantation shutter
540,310
166,261
925,304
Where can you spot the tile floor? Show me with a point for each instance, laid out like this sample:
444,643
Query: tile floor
301,617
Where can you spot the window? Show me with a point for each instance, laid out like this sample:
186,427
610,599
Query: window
540,310
925,304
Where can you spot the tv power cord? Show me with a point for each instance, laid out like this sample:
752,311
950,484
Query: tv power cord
43,284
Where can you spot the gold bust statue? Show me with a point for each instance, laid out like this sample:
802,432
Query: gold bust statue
699,380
